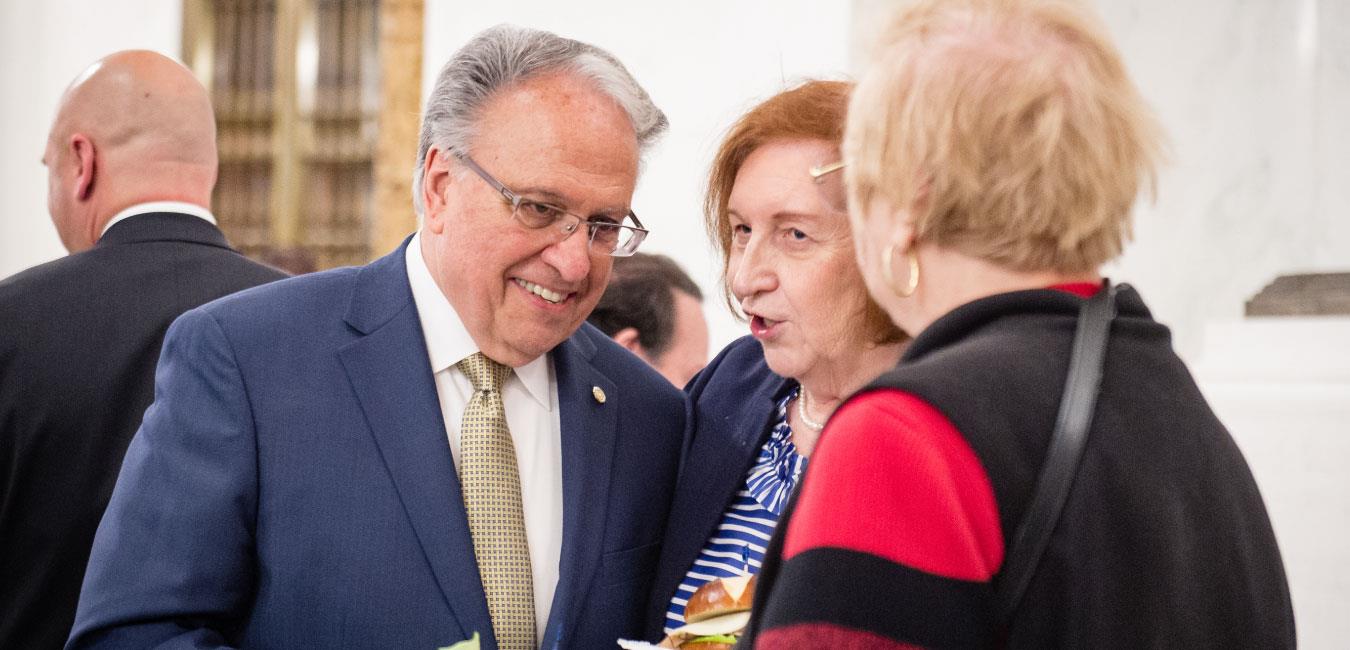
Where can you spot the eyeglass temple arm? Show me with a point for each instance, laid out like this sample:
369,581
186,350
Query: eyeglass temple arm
496,185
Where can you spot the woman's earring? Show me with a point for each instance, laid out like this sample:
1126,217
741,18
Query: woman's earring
888,274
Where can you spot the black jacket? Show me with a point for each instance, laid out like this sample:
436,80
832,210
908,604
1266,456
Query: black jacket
79,339
1164,541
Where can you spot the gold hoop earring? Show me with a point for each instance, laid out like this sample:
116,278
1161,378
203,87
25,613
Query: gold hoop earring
888,274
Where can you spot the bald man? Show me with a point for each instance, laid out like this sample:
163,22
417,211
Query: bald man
131,161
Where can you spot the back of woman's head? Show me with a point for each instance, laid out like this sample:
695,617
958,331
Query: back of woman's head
1010,128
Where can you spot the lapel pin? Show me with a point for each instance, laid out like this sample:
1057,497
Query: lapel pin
598,394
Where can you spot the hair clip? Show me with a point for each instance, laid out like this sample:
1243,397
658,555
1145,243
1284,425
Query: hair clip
819,171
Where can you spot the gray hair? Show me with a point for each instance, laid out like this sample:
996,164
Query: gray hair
502,56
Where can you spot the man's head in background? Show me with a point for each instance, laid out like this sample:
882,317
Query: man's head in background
654,309
136,126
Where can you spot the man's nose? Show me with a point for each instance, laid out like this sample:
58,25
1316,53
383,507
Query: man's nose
571,256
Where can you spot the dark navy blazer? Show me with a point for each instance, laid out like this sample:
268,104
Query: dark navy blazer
733,401
291,486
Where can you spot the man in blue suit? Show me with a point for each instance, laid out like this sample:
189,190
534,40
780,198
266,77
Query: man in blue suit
431,446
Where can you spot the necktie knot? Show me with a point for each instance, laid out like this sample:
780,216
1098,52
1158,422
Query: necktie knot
484,373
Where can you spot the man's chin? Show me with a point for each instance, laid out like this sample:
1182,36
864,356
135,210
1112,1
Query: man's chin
524,347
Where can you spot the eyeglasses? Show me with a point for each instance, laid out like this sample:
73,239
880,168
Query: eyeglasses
604,234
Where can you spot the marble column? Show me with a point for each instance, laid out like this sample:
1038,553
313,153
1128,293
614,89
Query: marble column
401,24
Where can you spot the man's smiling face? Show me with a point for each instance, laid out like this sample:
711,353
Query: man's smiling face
520,292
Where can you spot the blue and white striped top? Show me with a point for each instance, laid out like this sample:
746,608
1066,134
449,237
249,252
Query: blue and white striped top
736,547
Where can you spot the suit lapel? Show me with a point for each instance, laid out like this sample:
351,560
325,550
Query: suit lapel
589,435
392,379
723,450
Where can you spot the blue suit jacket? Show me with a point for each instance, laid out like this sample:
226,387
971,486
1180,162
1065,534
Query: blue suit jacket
733,401
292,487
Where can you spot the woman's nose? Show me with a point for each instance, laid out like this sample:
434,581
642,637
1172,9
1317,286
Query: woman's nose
753,271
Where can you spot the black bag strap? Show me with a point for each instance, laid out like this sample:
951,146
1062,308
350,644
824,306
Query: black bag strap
1063,454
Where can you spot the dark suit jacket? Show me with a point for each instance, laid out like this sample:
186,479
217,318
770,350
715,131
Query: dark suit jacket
292,485
79,338
733,401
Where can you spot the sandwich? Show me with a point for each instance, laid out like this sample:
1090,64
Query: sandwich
715,615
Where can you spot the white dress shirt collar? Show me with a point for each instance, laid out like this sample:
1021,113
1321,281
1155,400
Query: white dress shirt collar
160,206
447,340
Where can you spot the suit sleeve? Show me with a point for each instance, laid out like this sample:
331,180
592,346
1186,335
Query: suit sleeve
173,563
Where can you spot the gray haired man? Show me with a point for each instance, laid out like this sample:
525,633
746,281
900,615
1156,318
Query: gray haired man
432,446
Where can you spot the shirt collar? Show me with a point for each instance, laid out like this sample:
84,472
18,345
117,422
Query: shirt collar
447,340
160,206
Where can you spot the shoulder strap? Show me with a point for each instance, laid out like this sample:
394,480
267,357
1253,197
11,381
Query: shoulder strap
1062,456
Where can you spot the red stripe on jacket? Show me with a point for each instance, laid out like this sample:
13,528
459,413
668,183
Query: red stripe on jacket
904,486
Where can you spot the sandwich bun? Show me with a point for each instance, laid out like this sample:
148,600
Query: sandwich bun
720,597
715,615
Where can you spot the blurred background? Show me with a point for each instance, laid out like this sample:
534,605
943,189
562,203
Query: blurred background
1245,251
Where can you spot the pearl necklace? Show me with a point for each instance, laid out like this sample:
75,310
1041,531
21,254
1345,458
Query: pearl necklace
802,398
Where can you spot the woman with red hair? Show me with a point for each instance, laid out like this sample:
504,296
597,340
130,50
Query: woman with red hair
775,210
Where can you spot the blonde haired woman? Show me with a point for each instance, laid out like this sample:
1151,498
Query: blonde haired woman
1003,485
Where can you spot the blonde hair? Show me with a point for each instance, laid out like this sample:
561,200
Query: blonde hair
1009,127
813,110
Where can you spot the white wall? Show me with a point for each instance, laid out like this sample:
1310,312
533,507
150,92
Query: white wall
43,45
704,62
1256,98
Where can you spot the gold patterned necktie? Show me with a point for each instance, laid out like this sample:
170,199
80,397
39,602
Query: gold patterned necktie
490,481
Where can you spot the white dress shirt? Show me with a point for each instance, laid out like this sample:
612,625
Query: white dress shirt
531,398
160,206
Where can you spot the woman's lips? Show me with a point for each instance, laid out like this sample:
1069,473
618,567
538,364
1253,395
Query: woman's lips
763,328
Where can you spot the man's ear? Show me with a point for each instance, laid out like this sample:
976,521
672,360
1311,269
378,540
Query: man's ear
436,180
85,158
628,338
